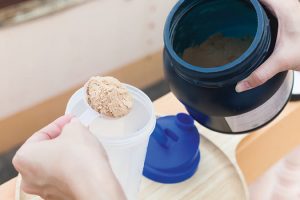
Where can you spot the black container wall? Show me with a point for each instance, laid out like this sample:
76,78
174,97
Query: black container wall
209,94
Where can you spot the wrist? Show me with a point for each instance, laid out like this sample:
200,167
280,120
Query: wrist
97,184
98,191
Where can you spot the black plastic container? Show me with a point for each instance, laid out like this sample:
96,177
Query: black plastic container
209,93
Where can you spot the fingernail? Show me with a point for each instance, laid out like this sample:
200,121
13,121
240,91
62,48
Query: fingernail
71,116
242,86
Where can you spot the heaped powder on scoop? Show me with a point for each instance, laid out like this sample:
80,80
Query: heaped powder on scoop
108,96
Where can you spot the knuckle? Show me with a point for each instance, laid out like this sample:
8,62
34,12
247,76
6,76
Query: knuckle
18,160
283,61
257,79
55,127
27,188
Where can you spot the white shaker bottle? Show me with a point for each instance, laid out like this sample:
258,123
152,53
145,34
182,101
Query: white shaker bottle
125,139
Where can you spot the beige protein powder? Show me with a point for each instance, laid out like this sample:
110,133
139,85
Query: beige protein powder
217,50
108,96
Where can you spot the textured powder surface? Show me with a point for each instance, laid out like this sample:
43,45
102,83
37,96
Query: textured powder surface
217,50
108,96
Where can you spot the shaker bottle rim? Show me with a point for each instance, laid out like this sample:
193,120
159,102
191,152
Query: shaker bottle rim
146,130
139,96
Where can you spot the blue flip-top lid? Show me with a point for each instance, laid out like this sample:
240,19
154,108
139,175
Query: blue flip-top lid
173,152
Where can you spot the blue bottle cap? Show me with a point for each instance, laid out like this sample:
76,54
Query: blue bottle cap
173,152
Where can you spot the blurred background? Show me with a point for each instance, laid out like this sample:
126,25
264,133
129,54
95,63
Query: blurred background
49,48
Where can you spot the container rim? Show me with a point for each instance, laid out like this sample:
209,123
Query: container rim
255,43
146,130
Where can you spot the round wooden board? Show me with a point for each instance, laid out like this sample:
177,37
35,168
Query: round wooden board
217,178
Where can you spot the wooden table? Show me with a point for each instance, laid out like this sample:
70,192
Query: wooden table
254,152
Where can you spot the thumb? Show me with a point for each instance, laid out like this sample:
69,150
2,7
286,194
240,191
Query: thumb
50,131
74,129
266,71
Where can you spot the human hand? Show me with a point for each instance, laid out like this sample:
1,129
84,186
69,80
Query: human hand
64,161
286,53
